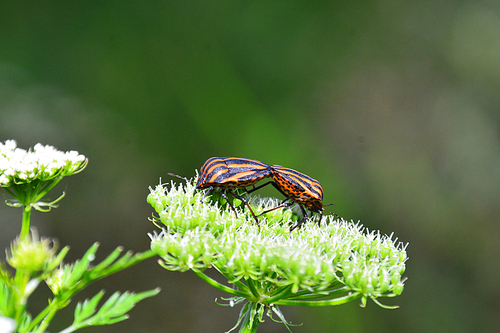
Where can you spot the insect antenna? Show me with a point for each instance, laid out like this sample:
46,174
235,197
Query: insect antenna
333,203
173,174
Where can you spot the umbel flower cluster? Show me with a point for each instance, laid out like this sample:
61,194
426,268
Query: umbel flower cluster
28,175
330,264
43,163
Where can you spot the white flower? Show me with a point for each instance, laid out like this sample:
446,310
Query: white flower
18,166
7,325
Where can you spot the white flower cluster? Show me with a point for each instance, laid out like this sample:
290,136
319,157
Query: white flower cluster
20,166
197,236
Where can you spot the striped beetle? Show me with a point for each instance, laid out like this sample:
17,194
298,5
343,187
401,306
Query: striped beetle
297,188
228,173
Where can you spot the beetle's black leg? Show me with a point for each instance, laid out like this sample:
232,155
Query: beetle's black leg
210,189
301,222
239,197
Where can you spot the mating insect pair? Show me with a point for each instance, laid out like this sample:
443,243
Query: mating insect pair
228,173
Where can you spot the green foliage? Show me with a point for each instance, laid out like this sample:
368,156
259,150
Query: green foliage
112,311
28,176
65,281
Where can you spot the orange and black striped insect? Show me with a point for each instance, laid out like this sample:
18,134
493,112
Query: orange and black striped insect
297,188
228,173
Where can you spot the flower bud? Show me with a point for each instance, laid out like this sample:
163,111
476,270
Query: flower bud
398,288
32,255
55,280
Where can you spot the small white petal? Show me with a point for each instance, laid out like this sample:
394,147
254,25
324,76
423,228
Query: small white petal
7,325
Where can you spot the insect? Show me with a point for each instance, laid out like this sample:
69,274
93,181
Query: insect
297,188
228,173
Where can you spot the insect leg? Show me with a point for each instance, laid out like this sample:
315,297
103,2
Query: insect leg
276,186
301,222
210,189
282,205
246,204
230,204
320,217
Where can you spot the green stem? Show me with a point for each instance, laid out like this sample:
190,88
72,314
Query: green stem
40,316
251,286
231,278
280,294
9,191
21,280
69,329
47,319
220,286
306,294
46,188
25,228
331,302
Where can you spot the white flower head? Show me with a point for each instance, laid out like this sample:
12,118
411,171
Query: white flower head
312,261
20,166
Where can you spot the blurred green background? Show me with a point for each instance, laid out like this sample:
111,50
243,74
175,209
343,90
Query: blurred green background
392,106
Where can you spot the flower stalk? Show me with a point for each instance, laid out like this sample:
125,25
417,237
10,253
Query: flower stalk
25,227
269,266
